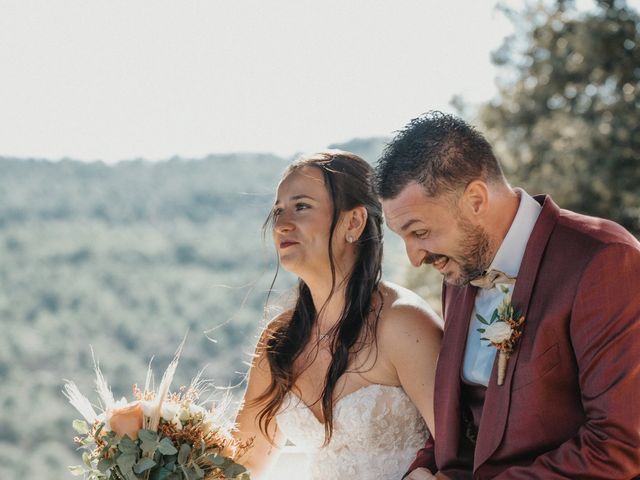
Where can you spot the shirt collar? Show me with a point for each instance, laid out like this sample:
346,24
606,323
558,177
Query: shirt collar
509,256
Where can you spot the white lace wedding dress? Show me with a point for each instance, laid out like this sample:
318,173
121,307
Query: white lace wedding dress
377,432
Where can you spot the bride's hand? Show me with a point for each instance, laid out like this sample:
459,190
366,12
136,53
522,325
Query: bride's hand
420,474
425,474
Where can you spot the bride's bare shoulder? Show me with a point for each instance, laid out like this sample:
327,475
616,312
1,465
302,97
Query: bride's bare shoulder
409,330
271,328
401,306
278,321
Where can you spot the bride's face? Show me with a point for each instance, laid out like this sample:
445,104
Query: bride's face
302,220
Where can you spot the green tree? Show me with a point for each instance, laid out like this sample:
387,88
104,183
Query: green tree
566,118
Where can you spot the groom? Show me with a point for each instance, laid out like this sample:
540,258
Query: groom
557,292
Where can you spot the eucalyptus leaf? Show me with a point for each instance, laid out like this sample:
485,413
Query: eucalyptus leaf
233,470
216,459
481,330
76,470
198,471
87,441
143,465
165,447
80,426
104,464
111,439
147,435
160,474
187,472
149,443
481,319
126,462
127,445
183,454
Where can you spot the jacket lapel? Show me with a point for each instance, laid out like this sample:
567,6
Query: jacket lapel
497,398
458,305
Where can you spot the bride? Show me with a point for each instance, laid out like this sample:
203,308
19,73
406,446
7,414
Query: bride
348,372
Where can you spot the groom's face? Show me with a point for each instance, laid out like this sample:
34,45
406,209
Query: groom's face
436,232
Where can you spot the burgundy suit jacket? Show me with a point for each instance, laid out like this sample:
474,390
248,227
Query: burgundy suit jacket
570,403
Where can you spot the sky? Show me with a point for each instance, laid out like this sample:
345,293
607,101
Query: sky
116,80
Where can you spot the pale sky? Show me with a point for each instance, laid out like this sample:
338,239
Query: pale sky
115,80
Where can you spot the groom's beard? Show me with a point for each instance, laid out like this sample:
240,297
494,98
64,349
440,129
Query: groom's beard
475,253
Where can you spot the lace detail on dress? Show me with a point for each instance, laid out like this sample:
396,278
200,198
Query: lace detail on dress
377,432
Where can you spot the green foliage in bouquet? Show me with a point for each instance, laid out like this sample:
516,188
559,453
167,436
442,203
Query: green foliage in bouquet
151,456
158,436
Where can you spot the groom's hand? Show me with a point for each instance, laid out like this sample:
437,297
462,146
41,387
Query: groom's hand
425,474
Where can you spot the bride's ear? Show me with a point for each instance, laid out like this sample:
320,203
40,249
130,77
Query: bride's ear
356,220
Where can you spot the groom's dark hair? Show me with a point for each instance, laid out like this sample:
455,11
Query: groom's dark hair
441,152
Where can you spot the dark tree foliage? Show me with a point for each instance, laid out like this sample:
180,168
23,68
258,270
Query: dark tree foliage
566,119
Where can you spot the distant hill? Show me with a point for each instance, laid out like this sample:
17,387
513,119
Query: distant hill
368,148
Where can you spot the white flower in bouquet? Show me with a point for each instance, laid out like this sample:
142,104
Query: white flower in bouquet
147,407
169,411
194,410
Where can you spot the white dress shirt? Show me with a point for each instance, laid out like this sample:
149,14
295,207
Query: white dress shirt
479,354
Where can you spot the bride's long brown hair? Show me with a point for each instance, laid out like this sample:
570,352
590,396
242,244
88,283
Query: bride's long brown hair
348,179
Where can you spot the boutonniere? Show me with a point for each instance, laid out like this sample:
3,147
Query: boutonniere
502,331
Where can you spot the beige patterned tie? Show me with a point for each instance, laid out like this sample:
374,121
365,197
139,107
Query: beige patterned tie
490,278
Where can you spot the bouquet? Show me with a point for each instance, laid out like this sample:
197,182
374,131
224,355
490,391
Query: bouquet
158,436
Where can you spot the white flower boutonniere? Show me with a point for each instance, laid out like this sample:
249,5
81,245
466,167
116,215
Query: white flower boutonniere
498,332
502,331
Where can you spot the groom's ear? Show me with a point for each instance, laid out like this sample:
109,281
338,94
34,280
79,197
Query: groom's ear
356,221
475,198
